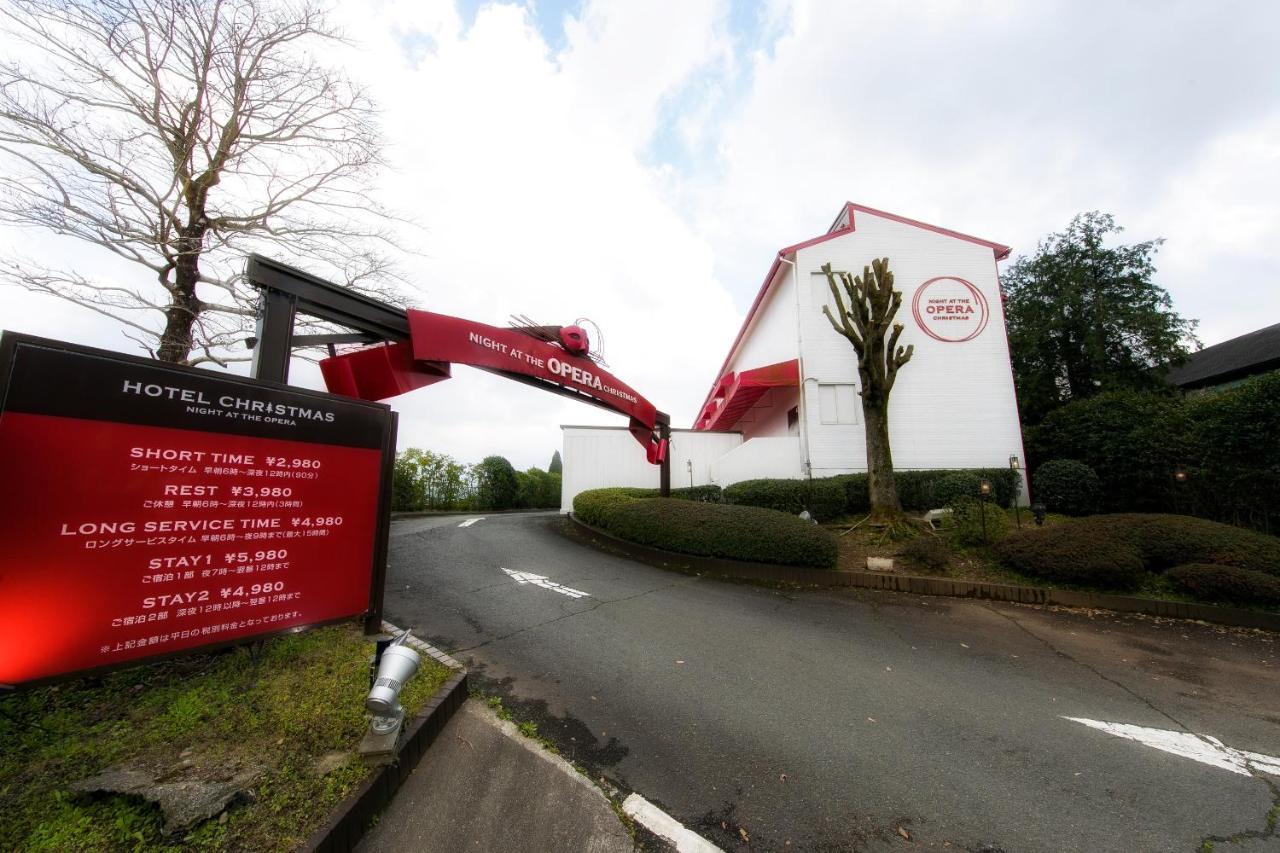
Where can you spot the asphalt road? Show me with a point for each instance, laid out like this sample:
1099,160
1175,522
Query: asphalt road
852,720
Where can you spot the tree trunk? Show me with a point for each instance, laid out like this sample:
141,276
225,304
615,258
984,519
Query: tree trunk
180,315
880,483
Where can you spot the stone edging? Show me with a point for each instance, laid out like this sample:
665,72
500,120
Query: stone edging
917,585
357,812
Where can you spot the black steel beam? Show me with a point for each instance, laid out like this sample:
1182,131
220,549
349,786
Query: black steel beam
276,312
664,434
300,341
319,298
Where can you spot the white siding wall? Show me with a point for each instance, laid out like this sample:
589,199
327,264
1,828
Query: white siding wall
598,457
953,405
772,335
776,457
769,415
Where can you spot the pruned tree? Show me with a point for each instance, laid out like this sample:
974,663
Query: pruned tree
866,322
179,135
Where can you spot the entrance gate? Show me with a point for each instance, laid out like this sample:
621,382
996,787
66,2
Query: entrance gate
418,348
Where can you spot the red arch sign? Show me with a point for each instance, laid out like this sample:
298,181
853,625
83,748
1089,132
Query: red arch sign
438,340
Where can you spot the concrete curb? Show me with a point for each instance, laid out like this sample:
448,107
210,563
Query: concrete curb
357,813
916,585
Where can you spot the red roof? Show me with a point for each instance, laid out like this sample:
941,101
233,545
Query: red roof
837,230
736,393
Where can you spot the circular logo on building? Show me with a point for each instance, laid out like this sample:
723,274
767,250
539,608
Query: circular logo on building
950,309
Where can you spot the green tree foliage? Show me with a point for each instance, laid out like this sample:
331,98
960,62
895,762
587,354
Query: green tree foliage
423,479
1133,441
496,484
556,466
1223,441
538,489
1085,317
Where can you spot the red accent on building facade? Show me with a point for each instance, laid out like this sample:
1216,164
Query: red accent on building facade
743,390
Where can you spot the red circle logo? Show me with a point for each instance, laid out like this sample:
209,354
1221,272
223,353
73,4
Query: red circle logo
950,309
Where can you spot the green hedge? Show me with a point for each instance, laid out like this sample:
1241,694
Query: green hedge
1225,441
1067,486
1227,583
846,494
1087,557
707,529
918,490
824,498
1116,551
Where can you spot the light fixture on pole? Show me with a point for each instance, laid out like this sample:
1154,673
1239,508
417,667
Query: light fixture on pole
1015,465
984,491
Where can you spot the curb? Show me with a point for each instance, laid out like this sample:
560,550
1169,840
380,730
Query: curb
357,813
916,585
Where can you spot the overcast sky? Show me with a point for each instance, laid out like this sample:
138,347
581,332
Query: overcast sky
639,164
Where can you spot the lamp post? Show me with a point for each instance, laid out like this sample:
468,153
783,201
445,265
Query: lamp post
689,462
1015,466
1179,486
984,492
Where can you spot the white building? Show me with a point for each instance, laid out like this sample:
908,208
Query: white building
787,393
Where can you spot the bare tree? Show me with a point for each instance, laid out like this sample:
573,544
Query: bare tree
873,303
179,135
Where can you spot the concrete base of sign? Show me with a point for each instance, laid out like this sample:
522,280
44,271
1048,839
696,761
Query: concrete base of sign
378,750
879,564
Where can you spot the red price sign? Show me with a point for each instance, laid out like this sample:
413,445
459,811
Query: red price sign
150,509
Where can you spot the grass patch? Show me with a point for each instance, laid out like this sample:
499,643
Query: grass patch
299,699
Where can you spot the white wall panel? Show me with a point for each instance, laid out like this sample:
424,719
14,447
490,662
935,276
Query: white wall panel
771,338
776,457
953,405
600,457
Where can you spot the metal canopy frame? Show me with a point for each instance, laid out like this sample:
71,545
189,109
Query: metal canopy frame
288,291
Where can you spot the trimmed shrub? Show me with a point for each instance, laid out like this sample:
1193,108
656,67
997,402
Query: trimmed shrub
959,484
974,524
703,494
1131,440
927,552
1163,541
1072,553
857,497
918,490
1151,542
1227,583
825,498
1223,438
1067,486
708,529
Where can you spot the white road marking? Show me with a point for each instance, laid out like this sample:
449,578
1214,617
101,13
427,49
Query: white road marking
660,823
1203,748
523,578
471,521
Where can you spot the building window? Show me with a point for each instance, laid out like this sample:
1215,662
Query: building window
837,404
793,420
